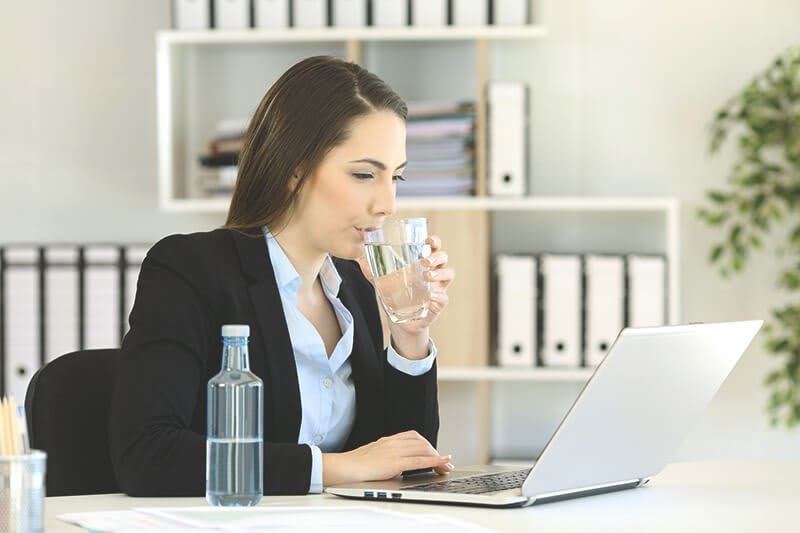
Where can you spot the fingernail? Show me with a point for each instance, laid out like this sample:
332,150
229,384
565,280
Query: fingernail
450,466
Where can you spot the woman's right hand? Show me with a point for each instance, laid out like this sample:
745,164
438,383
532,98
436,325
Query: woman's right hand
384,458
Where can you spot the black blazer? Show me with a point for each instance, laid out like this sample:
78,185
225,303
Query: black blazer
189,286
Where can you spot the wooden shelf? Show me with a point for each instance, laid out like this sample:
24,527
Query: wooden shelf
446,33
528,203
577,375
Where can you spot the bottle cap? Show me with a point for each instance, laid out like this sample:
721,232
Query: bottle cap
235,330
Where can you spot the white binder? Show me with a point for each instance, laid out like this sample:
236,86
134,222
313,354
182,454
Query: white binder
604,304
516,310
191,14
271,14
427,13
134,256
231,14
507,133
470,12
22,320
310,13
61,301
561,310
101,322
390,13
349,13
510,12
646,290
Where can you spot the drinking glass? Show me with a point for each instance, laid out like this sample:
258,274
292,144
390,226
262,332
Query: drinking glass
395,253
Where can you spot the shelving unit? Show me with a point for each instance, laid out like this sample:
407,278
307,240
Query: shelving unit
176,64
186,63
577,375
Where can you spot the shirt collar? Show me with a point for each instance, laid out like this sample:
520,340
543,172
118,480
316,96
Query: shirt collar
286,274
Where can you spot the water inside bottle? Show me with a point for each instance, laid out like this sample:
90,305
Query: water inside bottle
235,476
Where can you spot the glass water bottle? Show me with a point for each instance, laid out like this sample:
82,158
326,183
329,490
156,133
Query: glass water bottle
234,442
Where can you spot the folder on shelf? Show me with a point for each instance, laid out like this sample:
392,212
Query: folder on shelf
516,310
429,13
389,13
507,121
231,14
647,300
604,304
349,13
191,14
101,297
61,301
22,322
470,12
510,12
271,14
310,13
561,310
134,256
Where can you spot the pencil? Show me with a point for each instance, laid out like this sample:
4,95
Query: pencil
4,441
12,416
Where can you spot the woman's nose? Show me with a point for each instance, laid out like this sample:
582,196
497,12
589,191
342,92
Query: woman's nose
384,202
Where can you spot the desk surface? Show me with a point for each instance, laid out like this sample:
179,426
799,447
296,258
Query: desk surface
708,496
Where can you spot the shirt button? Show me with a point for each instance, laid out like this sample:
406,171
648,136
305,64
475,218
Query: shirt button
327,382
317,439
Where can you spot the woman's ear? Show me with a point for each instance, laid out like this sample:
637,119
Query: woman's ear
297,175
294,181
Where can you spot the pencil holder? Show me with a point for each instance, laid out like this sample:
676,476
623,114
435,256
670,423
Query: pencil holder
22,492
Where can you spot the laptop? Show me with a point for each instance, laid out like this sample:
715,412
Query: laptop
623,428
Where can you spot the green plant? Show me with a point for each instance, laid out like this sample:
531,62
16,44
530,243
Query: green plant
763,199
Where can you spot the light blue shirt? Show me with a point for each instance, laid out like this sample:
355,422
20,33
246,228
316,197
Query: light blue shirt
327,391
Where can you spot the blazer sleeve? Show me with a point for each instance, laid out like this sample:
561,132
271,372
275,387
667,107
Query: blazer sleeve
411,402
160,381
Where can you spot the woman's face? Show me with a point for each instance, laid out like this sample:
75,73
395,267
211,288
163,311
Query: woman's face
353,188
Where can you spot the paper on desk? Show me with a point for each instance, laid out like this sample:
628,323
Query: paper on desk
267,518
120,522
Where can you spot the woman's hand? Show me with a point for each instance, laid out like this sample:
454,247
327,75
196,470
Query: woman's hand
382,459
410,339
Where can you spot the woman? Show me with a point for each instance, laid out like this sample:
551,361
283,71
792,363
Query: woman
324,151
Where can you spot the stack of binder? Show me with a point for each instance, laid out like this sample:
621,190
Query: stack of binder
439,147
566,310
275,14
56,299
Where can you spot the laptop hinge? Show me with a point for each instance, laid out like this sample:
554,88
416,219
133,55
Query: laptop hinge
589,491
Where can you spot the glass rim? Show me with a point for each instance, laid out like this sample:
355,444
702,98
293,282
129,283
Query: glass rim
401,221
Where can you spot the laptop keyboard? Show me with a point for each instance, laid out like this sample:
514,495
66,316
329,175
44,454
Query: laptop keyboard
477,484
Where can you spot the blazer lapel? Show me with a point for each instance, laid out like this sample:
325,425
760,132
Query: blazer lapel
273,334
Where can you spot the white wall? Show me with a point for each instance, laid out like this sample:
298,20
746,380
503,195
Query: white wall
77,135
623,92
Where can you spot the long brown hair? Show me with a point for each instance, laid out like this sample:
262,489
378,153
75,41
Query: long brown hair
304,115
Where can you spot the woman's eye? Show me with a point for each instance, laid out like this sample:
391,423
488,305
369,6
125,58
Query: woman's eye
363,175
398,178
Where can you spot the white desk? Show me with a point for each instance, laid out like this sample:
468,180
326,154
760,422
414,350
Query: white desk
709,496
